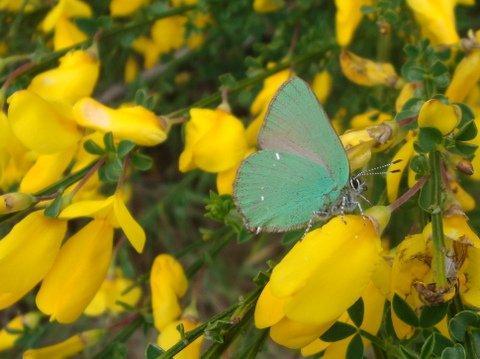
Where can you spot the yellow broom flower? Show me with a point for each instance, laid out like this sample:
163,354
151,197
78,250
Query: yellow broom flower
265,6
120,8
19,323
170,336
347,18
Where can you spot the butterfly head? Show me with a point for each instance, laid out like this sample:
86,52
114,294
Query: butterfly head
358,185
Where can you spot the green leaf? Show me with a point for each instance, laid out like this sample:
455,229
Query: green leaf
142,162
432,314
124,148
153,351
427,347
92,147
428,139
407,353
54,208
113,170
109,142
227,80
441,343
338,331
425,197
467,113
419,164
355,348
465,149
457,352
467,132
403,311
459,324
356,312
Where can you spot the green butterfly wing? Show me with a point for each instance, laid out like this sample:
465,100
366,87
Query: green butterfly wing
296,123
279,191
301,168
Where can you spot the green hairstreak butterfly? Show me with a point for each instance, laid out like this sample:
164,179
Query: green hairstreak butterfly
301,170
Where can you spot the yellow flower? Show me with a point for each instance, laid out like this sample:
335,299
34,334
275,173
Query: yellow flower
148,49
168,283
23,261
264,6
112,209
67,348
170,336
436,19
178,3
270,87
14,202
46,170
119,8
79,270
366,72
436,114
19,323
214,141
396,169
16,5
67,34
74,78
348,16
465,199
41,126
115,289
322,85
465,77
169,33
134,123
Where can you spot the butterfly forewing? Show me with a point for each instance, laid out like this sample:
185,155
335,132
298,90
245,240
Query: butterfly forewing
279,191
296,123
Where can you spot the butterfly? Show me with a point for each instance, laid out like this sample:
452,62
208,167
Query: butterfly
301,171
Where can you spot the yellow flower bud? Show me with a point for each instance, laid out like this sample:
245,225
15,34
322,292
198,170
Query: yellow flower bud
20,322
465,77
214,141
366,72
134,123
168,283
322,85
115,289
347,18
265,6
170,336
436,114
23,261
41,126
73,79
65,9
119,8
436,19
114,210
14,202
67,348
169,33
73,272
131,70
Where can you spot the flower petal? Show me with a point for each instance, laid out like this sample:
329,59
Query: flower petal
133,231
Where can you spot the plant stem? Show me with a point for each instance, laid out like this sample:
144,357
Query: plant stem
437,222
374,339
252,352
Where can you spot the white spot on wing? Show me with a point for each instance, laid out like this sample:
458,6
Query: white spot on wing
262,198
277,155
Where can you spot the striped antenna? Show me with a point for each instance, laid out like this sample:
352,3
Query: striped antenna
374,171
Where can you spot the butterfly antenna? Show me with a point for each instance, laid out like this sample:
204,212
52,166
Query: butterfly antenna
374,170
364,198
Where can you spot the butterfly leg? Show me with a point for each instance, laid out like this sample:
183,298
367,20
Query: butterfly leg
342,208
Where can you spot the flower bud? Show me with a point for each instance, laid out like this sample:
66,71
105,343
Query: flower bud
16,201
436,114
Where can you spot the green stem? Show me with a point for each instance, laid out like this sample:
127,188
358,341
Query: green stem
257,345
240,85
437,222
121,337
374,339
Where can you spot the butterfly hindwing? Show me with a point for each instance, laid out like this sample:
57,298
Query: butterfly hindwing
279,191
296,123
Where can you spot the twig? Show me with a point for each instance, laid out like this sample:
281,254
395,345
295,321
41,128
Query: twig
87,176
400,201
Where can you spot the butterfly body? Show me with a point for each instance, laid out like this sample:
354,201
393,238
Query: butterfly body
301,170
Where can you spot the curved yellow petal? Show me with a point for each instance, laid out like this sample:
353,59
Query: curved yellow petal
296,335
79,270
40,125
269,309
86,208
67,34
393,179
436,114
133,231
125,7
